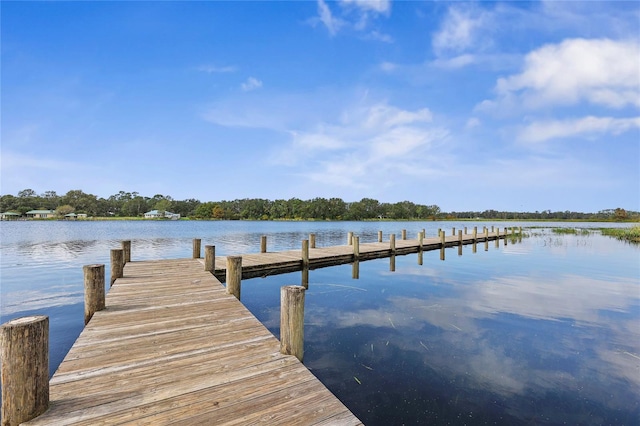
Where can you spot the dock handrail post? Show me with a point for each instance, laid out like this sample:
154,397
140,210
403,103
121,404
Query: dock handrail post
210,258
292,320
196,248
312,240
305,253
24,353
94,293
263,244
392,243
350,238
234,275
404,234
356,248
126,247
379,236
117,265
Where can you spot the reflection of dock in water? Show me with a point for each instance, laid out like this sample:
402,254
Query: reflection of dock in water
173,345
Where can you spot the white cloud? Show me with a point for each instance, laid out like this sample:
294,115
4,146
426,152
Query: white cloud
588,126
455,62
326,17
210,69
377,6
460,31
354,14
601,72
252,83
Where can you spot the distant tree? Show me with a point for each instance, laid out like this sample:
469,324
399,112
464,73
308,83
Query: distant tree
64,210
620,214
27,193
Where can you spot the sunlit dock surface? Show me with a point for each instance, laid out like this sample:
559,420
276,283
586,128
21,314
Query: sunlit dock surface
173,347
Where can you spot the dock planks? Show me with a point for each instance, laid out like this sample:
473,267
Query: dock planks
173,348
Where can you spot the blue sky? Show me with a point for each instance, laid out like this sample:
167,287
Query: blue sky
518,106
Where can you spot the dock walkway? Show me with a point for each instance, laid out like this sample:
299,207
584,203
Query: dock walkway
172,347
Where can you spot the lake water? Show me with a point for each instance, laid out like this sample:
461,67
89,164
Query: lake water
541,331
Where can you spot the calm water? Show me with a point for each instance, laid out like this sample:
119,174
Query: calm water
543,331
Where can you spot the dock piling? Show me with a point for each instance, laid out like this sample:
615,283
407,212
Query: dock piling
117,265
234,275
196,248
350,238
24,355
292,320
379,236
126,247
356,248
210,258
404,234
305,253
312,241
392,243
94,293
263,244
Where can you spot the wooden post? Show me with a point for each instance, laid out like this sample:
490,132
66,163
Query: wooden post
486,234
234,275
404,234
420,240
505,236
196,248
126,247
392,243
305,253
304,281
356,248
117,265
453,231
442,239
460,237
93,290
492,228
263,244
475,234
379,236
312,241
465,230
210,258
439,232
350,238
24,357
292,320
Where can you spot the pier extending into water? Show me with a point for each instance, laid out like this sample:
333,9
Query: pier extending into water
169,343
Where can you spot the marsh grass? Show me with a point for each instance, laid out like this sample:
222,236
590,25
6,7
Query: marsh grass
626,234
572,231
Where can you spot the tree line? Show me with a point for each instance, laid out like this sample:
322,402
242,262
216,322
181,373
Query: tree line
132,204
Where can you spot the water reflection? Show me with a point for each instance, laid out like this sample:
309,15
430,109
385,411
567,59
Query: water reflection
557,341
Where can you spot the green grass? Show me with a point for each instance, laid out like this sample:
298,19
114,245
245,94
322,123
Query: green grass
573,231
625,234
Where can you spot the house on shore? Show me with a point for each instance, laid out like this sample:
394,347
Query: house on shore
155,214
10,216
41,214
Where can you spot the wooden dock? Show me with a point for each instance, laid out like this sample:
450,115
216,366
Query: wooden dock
173,347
